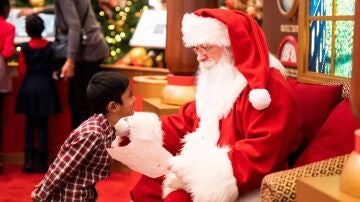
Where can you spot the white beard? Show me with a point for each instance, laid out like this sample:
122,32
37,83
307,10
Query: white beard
207,64
218,87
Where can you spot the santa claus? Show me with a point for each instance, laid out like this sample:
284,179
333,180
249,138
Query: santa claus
242,125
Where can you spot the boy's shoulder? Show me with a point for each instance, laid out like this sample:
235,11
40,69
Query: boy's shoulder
92,126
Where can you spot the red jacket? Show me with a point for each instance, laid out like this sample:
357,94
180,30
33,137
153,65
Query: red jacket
7,34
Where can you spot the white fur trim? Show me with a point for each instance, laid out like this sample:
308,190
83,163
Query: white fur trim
145,126
276,64
171,183
205,169
259,98
121,128
199,30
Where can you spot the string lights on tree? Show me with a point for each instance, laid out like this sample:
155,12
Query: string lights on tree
118,22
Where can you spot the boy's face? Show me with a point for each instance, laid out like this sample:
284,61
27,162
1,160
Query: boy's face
128,100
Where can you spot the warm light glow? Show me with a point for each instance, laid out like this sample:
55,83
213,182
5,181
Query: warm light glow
109,40
118,37
111,27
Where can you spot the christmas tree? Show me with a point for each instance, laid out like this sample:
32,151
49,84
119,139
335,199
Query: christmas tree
118,21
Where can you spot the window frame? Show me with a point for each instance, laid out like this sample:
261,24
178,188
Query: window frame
304,18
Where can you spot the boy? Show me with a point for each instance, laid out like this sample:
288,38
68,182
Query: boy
83,160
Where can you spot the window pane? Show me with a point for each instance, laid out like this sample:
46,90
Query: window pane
345,7
320,7
344,34
320,46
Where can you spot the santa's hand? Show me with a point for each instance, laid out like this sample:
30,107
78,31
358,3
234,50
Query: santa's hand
177,166
172,183
120,141
116,142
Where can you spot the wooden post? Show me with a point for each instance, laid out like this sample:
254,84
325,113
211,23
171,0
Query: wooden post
355,79
180,61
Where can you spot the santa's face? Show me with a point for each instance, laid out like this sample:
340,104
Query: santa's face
218,86
207,56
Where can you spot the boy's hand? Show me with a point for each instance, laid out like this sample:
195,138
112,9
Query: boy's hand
34,197
120,141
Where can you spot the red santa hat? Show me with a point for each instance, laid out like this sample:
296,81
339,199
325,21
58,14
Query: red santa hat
235,29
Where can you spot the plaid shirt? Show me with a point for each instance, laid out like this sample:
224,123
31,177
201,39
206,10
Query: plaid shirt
81,162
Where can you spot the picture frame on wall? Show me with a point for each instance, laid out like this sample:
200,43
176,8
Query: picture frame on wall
288,51
150,31
287,8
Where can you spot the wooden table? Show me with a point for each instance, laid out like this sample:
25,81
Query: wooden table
321,189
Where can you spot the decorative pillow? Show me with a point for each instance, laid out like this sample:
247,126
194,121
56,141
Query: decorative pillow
315,102
345,89
336,136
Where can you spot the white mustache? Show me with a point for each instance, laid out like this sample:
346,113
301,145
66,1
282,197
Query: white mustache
207,64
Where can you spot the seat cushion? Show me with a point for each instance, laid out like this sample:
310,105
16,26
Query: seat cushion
336,136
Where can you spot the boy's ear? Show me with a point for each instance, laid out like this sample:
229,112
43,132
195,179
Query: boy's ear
111,106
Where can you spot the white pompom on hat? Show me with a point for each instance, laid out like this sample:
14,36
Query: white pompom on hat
236,29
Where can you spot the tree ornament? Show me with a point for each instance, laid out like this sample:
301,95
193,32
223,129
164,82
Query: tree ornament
119,24
37,3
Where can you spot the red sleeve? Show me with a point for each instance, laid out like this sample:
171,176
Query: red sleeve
176,126
8,49
270,135
22,64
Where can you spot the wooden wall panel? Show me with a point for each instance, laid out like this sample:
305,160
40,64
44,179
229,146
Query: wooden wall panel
272,22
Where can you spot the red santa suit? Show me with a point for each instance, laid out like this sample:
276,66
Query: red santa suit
230,137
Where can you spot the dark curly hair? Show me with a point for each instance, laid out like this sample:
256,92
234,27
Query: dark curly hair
4,8
104,87
34,26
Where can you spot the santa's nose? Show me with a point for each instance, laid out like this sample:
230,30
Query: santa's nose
201,57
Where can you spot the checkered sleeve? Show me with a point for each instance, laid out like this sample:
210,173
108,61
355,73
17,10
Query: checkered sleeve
70,156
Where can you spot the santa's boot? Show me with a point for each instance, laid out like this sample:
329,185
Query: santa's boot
29,154
41,162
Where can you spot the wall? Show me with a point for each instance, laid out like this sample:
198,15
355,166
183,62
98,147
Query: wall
272,20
